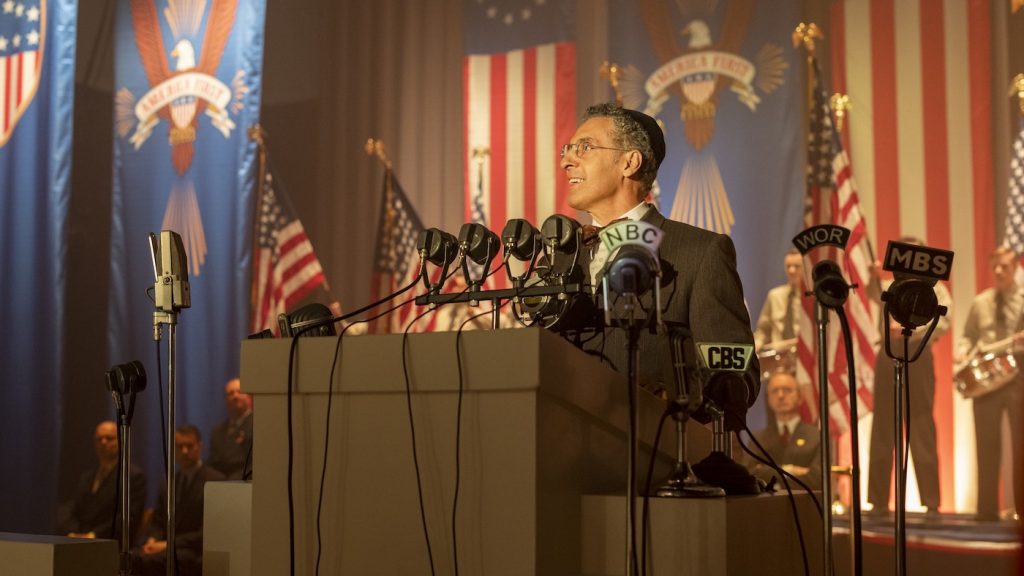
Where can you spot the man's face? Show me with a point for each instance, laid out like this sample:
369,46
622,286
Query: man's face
235,400
595,178
105,441
794,268
1004,266
187,449
782,394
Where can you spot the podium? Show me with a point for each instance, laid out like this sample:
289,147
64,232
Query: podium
542,424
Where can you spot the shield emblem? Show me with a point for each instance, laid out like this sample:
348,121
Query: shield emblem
22,36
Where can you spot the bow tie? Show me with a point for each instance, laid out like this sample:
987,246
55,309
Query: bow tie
591,232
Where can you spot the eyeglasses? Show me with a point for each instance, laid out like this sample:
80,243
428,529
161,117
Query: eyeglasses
583,148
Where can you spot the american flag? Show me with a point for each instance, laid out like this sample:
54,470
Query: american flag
519,106
1014,228
832,199
286,268
21,41
396,262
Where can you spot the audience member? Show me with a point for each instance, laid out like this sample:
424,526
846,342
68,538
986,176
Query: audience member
791,442
94,512
231,439
190,478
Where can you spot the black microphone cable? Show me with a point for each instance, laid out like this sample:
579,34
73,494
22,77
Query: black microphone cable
672,408
458,430
783,474
851,375
291,445
327,426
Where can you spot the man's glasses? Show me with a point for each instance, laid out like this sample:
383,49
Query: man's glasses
584,147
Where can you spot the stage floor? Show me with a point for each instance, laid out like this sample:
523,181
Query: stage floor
937,545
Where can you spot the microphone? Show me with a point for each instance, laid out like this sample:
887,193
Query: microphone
440,249
562,236
911,298
727,387
479,245
170,269
520,240
830,288
126,378
303,321
633,267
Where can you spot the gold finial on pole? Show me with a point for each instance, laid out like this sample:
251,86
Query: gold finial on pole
1017,89
376,148
840,105
480,154
806,34
610,71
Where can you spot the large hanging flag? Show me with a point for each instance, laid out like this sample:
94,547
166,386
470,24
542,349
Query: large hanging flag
37,78
719,78
519,106
1013,229
918,76
187,80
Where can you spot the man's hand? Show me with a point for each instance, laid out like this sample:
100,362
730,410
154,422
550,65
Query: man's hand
153,546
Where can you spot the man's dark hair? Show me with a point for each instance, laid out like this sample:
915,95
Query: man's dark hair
634,131
189,429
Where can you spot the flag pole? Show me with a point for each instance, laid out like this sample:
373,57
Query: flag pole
258,135
805,35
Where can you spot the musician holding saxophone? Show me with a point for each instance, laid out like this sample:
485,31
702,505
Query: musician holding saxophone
992,346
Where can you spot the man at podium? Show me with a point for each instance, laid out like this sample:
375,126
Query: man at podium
611,164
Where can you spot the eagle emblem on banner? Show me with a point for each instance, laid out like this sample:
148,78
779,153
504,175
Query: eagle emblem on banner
22,35
183,89
698,76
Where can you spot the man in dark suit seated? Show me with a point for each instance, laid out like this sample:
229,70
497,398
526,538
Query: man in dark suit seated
190,478
231,440
791,442
92,512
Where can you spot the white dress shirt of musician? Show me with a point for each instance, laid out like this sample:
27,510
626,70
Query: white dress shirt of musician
981,327
779,319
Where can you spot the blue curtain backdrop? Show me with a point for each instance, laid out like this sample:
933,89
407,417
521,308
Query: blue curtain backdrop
35,164
187,90
740,86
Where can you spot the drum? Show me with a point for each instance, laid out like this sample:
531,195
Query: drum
777,357
986,373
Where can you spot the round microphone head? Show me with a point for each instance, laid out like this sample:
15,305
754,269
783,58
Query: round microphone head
439,246
631,271
562,233
912,302
830,288
521,240
478,243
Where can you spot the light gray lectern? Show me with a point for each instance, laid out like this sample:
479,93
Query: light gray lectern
542,424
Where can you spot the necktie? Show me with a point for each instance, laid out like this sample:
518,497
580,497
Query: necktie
787,320
1001,330
784,437
590,232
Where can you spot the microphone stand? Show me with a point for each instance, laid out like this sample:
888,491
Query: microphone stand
901,379
683,482
170,318
821,319
124,421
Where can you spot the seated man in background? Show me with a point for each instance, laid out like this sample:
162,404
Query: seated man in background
94,512
791,442
189,480
231,440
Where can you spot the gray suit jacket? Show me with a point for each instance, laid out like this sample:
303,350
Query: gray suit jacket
700,292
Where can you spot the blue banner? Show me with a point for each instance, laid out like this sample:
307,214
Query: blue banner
726,84
37,76
187,80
